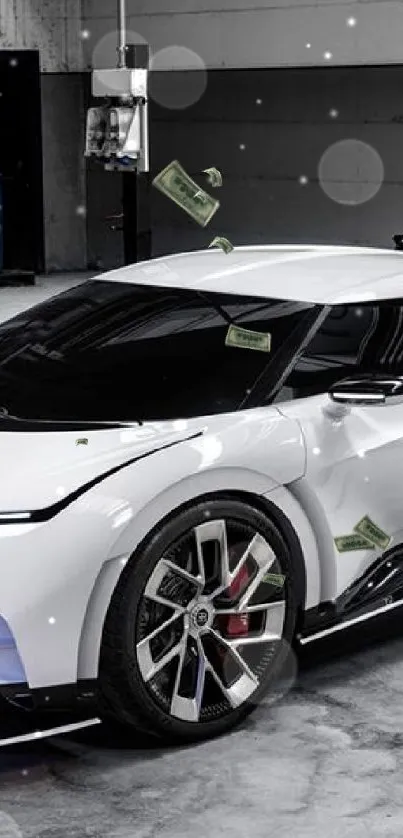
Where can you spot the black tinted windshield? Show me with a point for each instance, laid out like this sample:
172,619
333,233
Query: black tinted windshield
110,351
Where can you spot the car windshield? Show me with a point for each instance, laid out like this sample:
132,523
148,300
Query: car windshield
106,351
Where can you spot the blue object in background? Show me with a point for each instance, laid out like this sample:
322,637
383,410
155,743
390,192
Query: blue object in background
1,222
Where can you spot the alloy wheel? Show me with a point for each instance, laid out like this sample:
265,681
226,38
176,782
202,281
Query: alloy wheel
210,620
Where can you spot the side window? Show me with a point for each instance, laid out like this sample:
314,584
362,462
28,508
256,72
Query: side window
353,340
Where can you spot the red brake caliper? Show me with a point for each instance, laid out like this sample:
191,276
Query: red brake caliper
238,624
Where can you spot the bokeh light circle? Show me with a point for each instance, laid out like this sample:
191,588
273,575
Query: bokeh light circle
178,77
105,52
351,172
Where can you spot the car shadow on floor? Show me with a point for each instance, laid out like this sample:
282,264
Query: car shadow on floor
323,662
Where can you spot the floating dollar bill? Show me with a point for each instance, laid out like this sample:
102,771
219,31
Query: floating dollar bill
82,441
225,244
176,184
369,530
214,177
246,339
355,541
276,579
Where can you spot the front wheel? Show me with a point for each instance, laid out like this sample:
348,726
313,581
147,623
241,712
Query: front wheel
198,626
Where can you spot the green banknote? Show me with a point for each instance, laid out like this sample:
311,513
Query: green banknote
214,177
223,243
176,184
247,339
276,579
372,532
355,541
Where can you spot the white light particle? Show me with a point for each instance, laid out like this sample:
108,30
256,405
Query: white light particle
316,450
24,772
308,46
85,34
258,101
333,113
303,180
361,454
328,55
358,312
351,21
242,147
81,210
52,620
13,62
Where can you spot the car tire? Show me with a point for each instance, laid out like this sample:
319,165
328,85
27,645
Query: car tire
211,535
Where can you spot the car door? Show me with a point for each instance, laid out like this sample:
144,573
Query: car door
354,463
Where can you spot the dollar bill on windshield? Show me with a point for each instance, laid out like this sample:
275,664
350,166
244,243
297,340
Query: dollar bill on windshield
177,185
372,532
223,243
248,339
276,579
355,541
214,177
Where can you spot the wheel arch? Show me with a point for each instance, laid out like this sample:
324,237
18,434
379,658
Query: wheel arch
113,571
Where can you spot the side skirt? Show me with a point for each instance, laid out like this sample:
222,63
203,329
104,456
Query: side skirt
378,591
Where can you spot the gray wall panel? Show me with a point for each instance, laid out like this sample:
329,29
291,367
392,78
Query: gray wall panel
285,137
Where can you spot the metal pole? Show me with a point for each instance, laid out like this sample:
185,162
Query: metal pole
122,34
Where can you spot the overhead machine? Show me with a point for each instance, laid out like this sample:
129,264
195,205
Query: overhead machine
117,134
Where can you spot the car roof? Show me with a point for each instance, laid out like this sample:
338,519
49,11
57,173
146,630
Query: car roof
304,273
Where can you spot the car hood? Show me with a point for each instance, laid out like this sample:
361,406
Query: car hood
40,467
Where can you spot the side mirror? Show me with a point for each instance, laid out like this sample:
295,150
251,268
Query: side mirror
376,390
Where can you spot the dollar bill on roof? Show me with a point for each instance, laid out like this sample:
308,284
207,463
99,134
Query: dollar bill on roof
223,243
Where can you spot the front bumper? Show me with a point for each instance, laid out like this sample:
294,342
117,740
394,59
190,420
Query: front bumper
11,667
80,698
48,574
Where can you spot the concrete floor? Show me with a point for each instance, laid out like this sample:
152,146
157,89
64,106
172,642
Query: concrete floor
325,760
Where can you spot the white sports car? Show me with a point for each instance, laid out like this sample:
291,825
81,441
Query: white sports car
202,460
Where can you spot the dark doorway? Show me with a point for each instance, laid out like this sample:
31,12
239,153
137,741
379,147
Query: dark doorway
21,160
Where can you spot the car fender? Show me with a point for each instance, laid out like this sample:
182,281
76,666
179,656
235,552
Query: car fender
213,481
145,519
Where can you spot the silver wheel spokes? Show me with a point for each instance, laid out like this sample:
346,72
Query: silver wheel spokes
196,625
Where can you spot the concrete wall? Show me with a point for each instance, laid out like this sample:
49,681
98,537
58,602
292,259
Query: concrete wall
256,33
52,26
64,171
